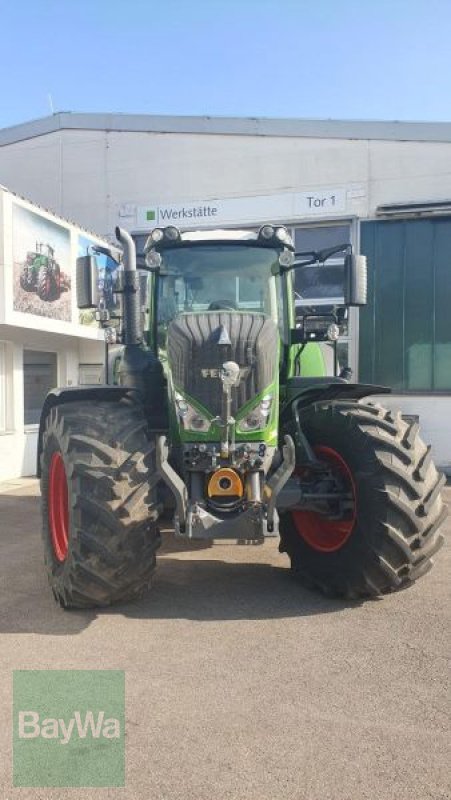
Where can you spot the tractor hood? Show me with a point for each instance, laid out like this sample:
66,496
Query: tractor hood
199,347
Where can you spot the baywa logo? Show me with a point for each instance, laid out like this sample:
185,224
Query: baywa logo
31,726
151,215
69,728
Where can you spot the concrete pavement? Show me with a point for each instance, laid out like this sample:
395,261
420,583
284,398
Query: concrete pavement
240,684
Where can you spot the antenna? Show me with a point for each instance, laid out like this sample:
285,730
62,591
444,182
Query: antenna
52,110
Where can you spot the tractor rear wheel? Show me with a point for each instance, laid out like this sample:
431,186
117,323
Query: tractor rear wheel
47,286
386,539
56,271
99,502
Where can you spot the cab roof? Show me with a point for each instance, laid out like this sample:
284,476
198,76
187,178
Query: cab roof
275,236
218,235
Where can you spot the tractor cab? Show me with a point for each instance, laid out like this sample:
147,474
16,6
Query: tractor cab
216,271
237,273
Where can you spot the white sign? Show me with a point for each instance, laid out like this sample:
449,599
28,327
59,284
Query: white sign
330,201
244,210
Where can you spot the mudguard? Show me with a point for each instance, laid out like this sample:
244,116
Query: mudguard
302,392
70,394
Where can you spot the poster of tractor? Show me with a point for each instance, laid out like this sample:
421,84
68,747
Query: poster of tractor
42,265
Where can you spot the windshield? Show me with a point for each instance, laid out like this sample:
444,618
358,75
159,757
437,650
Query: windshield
217,277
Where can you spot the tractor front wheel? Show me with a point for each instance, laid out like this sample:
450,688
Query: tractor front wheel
27,280
99,502
386,537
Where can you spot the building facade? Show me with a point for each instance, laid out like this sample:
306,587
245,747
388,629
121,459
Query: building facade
385,187
45,341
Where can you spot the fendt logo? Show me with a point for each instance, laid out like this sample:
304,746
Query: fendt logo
68,728
217,373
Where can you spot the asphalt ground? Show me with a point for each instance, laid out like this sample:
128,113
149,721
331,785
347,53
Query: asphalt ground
239,683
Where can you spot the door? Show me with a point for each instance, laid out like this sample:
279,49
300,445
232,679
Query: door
405,330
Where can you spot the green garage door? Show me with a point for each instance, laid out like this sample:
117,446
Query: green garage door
405,330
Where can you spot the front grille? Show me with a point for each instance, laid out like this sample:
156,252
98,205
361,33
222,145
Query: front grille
195,355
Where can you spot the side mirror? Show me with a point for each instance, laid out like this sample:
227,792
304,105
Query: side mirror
356,280
86,281
103,251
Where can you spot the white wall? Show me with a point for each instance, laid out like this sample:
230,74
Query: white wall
72,342
435,421
18,443
88,175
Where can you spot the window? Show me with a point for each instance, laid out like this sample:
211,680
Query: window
2,387
321,285
39,376
320,288
318,237
405,330
90,374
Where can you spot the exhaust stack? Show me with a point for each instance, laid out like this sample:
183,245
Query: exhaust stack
139,369
132,324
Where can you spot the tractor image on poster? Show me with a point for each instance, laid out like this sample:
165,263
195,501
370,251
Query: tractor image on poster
210,398
41,273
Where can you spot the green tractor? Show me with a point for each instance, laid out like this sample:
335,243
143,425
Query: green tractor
211,402
41,273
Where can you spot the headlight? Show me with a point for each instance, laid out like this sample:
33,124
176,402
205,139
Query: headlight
266,232
156,236
286,258
280,233
172,233
110,335
283,236
190,417
333,332
153,258
257,418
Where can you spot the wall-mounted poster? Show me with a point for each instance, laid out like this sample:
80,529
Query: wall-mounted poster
106,277
42,266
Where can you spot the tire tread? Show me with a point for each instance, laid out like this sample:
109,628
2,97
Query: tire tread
411,511
110,464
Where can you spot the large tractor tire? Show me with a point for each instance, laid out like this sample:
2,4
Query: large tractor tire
388,536
27,280
56,272
99,502
47,285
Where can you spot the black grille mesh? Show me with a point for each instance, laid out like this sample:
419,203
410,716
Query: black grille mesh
193,347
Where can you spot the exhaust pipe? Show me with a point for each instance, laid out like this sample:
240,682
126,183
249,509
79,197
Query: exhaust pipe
129,248
132,326
139,368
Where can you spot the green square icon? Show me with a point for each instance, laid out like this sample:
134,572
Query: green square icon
150,215
68,728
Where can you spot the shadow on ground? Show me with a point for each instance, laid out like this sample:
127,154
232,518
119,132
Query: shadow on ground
193,581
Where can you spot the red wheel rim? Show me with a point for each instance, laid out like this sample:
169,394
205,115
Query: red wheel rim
58,503
323,534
